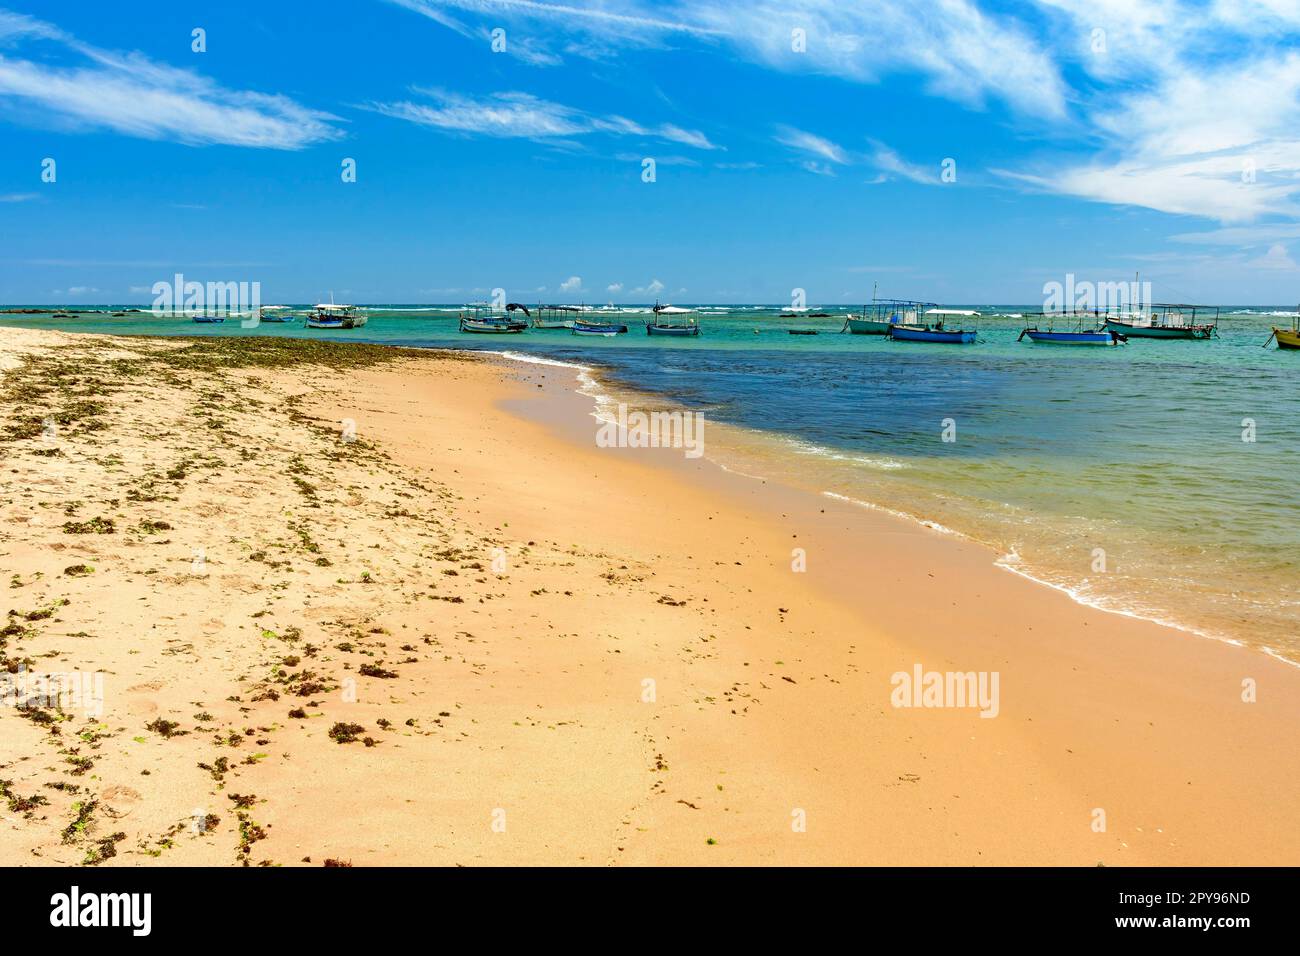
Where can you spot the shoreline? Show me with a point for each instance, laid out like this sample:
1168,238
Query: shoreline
524,689
602,392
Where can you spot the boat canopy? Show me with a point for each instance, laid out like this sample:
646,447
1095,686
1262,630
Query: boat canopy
331,307
950,312
671,310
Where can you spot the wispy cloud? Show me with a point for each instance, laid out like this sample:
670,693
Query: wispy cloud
811,143
889,162
964,53
19,197
516,114
130,94
1195,110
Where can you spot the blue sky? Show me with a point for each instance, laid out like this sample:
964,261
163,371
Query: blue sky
1095,138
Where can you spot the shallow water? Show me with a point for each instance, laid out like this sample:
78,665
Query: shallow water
1118,474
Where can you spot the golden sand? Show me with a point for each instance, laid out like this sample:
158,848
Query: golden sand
379,607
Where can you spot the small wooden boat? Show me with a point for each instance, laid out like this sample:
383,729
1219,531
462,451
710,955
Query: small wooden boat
660,326
492,326
274,313
1167,321
1076,336
934,331
483,321
328,315
802,331
883,314
1287,339
555,317
209,318
582,327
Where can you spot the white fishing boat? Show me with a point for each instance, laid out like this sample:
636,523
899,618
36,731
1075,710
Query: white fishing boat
671,326
328,315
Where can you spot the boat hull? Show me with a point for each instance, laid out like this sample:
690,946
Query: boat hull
868,327
1071,338
681,331
1287,338
903,333
553,326
1160,331
581,328
492,328
209,319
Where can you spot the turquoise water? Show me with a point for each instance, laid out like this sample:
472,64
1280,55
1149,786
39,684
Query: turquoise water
1118,474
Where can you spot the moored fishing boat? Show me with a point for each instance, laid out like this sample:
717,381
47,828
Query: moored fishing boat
934,330
1287,339
208,318
274,313
1075,336
328,315
883,314
483,321
1168,321
659,326
555,316
583,327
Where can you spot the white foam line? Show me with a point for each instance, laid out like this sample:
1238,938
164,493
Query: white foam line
924,522
1009,562
588,384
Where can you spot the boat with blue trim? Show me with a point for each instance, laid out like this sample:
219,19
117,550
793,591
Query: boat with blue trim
1078,335
931,328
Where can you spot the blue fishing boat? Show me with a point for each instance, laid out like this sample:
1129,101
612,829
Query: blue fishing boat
582,327
933,330
1075,336
275,313
209,318
329,315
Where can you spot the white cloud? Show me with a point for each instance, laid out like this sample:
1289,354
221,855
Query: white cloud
811,143
965,54
614,288
132,95
571,284
1277,257
654,287
888,161
1198,108
514,114
19,197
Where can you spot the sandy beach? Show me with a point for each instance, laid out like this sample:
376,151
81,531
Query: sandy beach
359,605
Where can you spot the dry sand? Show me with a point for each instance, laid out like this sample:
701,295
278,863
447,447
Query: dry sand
548,652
